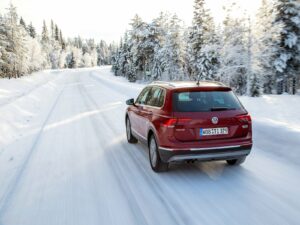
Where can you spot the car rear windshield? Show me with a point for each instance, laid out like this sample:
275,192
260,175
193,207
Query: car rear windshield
205,101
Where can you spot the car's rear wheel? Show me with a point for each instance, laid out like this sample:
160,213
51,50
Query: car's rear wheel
234,162
155,161
130,137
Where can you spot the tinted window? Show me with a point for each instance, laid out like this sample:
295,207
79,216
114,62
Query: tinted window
156,97
205,101
161,99
143,96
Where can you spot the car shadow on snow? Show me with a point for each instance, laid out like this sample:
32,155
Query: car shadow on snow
213,170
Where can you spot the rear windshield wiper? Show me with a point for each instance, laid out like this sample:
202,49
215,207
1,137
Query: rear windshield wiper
221,109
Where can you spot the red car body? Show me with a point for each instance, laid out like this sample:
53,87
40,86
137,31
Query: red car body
179,134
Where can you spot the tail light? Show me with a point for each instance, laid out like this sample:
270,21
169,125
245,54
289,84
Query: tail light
244,118
170,123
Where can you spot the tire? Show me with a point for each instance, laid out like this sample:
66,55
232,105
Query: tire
156,163
236,162
130,138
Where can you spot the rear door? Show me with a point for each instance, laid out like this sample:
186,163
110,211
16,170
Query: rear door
207,115
137,112
152,107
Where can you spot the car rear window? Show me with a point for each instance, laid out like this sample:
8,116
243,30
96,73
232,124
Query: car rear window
205,101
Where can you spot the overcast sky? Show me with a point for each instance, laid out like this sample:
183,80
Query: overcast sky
106,19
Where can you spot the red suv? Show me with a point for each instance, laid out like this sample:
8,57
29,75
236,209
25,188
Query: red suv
182,121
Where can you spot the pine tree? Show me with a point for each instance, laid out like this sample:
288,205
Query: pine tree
136,41
266,45
52,29
287,62
45,42
72,63
201,21
22,22
254,86
202,63
45,34
62,41
4,54
31,30
16,36
37,57
161,25
56,33
233,54
172,51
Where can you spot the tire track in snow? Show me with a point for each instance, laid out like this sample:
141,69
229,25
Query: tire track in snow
13,99
7,196
163,193
164,199
128,194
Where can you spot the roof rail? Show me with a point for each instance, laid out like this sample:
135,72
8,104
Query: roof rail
163,82
218,82
212,81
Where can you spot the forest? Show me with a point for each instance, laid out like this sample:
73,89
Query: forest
23,51
252,55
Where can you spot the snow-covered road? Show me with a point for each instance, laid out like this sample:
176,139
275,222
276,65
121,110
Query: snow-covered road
64,159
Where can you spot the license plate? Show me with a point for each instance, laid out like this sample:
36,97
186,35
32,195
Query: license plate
213,131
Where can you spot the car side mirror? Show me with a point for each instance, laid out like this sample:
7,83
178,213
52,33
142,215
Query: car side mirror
130,101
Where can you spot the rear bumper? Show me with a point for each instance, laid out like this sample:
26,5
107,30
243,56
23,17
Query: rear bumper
205,154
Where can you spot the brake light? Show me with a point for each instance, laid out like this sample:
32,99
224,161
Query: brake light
173,121
170,122
244,118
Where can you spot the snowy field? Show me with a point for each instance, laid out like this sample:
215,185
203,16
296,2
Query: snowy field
64,159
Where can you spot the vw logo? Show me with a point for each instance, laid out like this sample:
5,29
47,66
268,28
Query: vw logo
214,120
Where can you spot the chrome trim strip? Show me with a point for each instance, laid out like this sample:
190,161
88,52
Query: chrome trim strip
201,149
138,134
209,156
169,149
212,148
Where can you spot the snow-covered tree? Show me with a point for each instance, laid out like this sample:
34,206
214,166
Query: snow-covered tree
287,62
87,60
63,59
94,57
36,56
4,54
137,35
266,45
172,51
31,30
23,24
161,25
75,58
16,37
103,53
234,54
23,51
202,49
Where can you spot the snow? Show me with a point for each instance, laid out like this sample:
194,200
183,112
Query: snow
64,159
10,90
276,124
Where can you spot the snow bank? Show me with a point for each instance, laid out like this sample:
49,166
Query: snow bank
276,124
22,102
26,103
11,89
